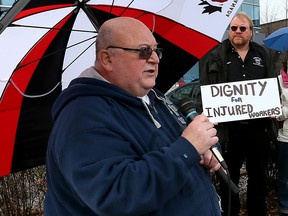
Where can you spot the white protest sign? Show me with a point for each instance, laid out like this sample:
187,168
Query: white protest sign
241,100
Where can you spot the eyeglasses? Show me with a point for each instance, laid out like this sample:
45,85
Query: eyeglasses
242,28
144,52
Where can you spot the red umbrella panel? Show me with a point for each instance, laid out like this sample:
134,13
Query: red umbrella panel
50,42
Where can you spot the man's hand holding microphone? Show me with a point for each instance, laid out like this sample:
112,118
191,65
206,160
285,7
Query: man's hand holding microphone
202,135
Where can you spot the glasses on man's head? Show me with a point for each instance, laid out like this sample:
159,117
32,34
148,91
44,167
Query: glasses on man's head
242,28
144,52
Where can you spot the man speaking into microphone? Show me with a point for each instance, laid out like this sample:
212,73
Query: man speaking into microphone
119,147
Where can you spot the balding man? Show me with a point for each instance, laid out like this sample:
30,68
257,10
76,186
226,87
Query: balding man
118,147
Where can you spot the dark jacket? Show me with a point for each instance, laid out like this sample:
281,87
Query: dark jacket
215,71
110,154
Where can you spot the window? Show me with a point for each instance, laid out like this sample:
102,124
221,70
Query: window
5,5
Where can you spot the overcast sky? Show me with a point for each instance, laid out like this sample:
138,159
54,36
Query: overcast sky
272,10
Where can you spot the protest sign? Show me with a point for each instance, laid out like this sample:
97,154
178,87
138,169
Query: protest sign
241,100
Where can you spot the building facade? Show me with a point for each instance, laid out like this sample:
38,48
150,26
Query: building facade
252,8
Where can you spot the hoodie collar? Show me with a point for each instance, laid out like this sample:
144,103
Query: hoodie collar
146,100
92,73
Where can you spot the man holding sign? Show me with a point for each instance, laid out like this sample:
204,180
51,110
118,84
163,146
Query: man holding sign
239,59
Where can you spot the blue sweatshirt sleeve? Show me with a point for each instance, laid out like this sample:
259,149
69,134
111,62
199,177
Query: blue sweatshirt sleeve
183,149
112,180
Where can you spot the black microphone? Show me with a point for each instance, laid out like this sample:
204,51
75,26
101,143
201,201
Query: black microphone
187,108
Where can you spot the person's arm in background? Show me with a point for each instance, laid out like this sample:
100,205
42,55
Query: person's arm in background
211,66
269,64
214,70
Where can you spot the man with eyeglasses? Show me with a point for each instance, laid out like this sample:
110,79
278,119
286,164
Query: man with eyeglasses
238,58
118,147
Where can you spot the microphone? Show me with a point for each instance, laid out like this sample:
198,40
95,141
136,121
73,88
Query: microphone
187,108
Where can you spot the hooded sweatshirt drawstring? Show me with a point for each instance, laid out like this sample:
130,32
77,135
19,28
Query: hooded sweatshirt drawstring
156,123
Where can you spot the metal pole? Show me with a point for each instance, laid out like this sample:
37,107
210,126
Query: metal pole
16,8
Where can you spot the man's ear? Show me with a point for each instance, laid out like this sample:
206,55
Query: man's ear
105,59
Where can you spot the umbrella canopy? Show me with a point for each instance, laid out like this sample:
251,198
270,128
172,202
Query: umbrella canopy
278,40
49,42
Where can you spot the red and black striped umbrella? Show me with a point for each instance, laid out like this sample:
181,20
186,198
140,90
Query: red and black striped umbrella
49,42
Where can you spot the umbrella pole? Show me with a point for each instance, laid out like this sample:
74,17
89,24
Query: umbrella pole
11,14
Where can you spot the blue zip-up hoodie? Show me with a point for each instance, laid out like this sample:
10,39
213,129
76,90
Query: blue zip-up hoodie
110,154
